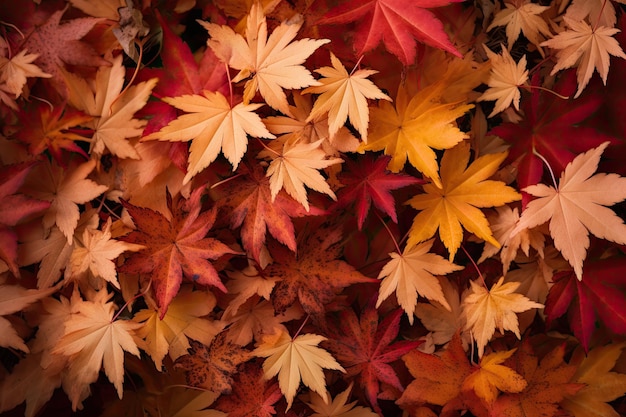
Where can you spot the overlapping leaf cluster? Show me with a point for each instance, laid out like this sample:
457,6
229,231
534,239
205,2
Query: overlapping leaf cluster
259,208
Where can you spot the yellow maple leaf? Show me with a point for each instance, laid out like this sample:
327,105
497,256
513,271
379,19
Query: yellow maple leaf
458,200
295,360
504,80
485,310
274,63
344,96
411,273
213,125
491,377
183,320
92,339
296,166
577,207
586,47
338,407
601,385
415,127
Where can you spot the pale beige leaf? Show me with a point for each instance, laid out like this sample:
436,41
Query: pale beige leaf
522,17
15,71
344,96
245,284
339,406
578,207
485,310
411,274
295,360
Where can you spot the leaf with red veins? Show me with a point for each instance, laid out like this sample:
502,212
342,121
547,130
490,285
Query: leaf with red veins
366,349
13,209
396,23
369,181
315,276
58,44
174,248
599,295
249,204
547,129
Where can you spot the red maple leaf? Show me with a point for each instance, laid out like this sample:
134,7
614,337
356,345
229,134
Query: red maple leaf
547,128
369,181
315,275
599,295
249,203
397,23
366,348
252,394
174,248
13,209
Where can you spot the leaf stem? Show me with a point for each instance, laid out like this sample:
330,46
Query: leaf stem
545,161
301,326
480,274
130,82
538,87
356,65
390,234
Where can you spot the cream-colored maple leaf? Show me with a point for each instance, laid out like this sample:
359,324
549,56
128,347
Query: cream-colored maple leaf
245,284
274,63
113,123
344,96
338,407
456,202
184,319
522,16
586,47
14,71
503,221
577,207
411,274
295,360
65,188
600,12
505,79
296,166
414,128
212,125
485,310
492,376
92,339
96,255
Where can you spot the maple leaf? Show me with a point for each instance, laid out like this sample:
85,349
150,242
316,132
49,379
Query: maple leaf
213,125
522,17
577,207
438,379
174,248
599,295
394,22
252,395
548,383
249,202
274,62
92,339
65,189
184,402
315,275
47,129
212,368
597,11
57,44
366,348
182,321
485,310
97,253
14,71
456,203
344,96
601,385
411,274
14,298
296,166
504,80
295,360
338,407
369,181
14,208
491,376
588,48
414,128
